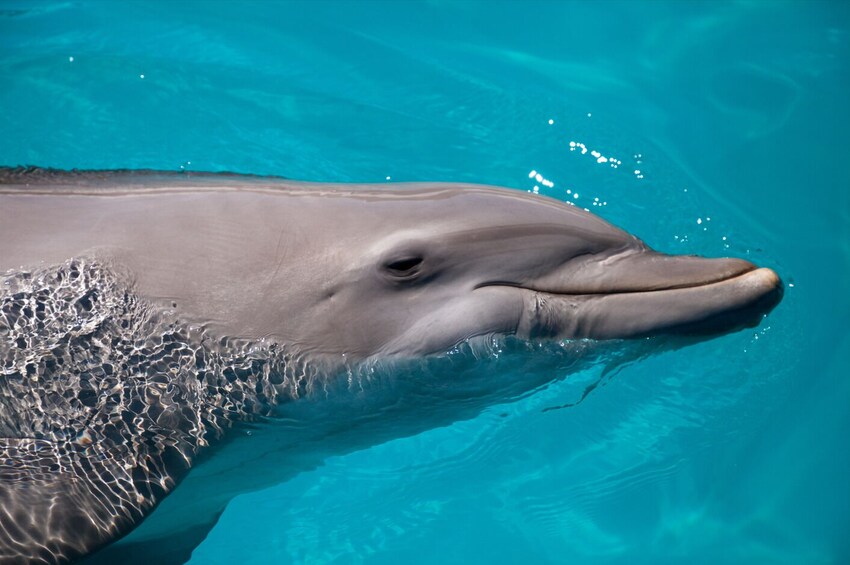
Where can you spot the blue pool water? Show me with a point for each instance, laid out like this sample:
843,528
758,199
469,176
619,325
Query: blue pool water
724,131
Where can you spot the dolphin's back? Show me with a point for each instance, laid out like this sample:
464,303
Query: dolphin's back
39,179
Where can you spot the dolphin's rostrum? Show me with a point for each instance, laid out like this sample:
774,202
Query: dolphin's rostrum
145,316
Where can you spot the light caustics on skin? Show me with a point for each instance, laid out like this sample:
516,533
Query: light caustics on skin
205,301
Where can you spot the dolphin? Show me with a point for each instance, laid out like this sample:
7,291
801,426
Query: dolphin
221,332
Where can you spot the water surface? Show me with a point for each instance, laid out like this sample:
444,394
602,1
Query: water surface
709,128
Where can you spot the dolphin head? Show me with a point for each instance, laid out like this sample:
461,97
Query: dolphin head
437,266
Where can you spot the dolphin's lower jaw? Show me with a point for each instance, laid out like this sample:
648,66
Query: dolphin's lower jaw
715,307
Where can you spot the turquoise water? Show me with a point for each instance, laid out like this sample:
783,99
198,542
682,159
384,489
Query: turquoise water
736,117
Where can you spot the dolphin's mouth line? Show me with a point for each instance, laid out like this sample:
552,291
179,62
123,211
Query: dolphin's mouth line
718,306
620,291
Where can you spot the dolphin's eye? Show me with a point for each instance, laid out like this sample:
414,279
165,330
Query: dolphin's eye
404,267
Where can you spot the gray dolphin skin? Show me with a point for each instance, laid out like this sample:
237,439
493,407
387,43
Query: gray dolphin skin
243,328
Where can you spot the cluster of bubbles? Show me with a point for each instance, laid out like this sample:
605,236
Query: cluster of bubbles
573,197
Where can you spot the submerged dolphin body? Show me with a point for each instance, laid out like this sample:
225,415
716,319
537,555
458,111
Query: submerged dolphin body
148,316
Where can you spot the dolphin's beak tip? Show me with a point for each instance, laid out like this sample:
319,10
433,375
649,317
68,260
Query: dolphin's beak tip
773,288
769,277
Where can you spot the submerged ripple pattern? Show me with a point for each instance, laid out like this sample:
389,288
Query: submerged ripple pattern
105,402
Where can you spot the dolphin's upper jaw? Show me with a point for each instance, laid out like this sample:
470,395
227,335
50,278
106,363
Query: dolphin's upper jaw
645,294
